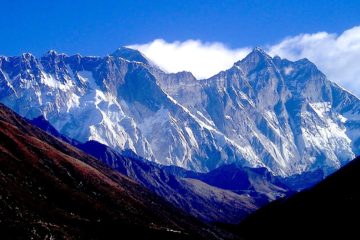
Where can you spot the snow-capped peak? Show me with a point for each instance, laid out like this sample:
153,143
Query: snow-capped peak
282,115
50,53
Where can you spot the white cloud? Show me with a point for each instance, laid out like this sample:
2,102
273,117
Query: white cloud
338,56
202,59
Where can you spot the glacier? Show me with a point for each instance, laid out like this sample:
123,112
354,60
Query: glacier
262,112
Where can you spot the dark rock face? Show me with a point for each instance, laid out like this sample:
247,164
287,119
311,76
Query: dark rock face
327,210
49,189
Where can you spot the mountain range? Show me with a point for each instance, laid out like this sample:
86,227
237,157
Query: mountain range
94,146
263,112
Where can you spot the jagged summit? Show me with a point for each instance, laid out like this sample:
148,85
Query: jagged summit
131,55
51,52
254,57
259,50
259,53
307,62
27,55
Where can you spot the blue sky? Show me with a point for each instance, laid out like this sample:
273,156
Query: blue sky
98,27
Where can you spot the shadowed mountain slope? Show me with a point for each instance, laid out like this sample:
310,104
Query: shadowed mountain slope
50,189
212,199
329,209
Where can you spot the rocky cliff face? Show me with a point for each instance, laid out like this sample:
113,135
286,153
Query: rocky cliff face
285,114
269,112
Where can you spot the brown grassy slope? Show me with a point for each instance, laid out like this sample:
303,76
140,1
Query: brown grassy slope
51,189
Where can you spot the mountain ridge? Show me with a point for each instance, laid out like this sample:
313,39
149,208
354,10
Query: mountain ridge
202,199
227,118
